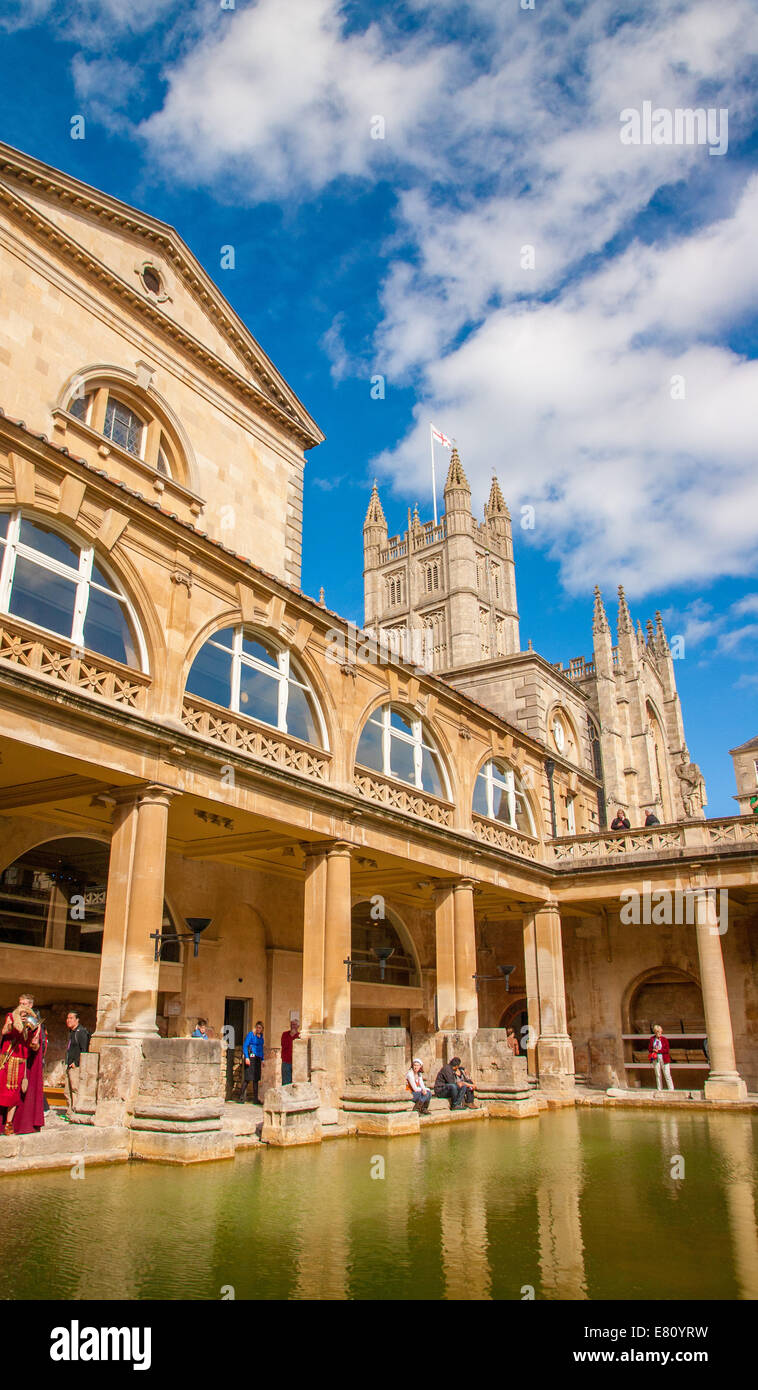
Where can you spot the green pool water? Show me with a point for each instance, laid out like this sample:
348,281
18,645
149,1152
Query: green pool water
574,1205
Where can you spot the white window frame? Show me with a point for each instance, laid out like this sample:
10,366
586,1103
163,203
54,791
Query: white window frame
140,452
284,673
571,814
382,718
505,780
81,576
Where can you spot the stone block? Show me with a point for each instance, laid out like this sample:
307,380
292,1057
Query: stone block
169,1147
326,1066
291,1115
495,1067
376,1059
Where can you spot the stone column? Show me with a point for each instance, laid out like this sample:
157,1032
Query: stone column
724,1081
555,1055
466,999
139,994
116,912
532,992
444,914
314,918
338,939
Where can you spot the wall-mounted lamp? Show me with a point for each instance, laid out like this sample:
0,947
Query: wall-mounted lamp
197,925
382,954
505,972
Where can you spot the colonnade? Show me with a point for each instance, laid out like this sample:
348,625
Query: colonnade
128,988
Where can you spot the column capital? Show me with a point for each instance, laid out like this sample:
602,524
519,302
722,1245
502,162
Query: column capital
313,849
142,792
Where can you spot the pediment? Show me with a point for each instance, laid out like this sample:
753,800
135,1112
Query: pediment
100,233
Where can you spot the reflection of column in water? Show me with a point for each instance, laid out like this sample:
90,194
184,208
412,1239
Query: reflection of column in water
560,1226
320,1229
733,1136
463,1223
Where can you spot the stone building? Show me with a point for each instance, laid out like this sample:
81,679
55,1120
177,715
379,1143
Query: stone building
352,841
745,759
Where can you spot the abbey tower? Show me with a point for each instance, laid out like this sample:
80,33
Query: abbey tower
616,714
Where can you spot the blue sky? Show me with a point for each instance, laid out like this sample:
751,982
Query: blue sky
609,375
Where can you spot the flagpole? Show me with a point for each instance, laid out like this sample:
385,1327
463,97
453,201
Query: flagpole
434,480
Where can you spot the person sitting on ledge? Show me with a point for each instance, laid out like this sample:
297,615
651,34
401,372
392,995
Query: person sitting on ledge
414,1080
620,820
450,1085
651,818
469,1094
202,1029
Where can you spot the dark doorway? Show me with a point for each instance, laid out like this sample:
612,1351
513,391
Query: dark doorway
235,1019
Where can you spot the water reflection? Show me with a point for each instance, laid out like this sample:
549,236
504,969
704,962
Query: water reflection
732,1137
576,1205
558,1205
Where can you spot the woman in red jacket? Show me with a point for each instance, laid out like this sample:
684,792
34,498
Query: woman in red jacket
659,1053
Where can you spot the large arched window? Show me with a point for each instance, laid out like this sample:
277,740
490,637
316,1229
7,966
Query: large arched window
376,940
54,896
247,673
397,744
59,584
499,794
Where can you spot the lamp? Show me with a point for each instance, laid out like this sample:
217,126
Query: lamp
197,925
504,973
383,954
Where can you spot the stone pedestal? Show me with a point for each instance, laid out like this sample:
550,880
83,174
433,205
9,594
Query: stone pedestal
500,1078
291,1115
375,1097
167,1091
319,1060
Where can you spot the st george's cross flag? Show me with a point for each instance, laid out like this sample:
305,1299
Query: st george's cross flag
441,438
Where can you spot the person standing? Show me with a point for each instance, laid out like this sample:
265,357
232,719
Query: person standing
20,1038
202,1029
659,1053
620,820
30,1111
651,818
512,1041
78,1042
252,1061
288,1037
414,1080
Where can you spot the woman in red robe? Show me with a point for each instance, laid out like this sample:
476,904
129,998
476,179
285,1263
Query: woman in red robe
20,1038
30,1111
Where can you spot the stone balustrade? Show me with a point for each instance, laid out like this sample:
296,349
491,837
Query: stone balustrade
702,836
506,838
55,659
398,796
255,740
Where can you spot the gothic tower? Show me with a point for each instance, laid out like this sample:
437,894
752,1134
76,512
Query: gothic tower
456,581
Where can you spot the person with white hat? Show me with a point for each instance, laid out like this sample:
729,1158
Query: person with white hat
419,1090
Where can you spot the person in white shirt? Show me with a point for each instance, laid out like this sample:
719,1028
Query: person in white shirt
417,1086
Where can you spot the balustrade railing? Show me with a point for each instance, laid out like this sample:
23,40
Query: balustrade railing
254,740
398,796
56,659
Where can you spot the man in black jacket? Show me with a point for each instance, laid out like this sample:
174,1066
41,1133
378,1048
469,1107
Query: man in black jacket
78,1042
450,1085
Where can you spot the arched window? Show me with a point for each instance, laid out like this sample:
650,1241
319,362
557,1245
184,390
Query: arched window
249,674
373,938
58,584
431,578
54,896
128,418
398,745
499,794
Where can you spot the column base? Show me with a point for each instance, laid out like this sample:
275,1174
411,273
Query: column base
728,1087
555,1065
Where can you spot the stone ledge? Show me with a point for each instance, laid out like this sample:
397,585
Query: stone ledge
161,1147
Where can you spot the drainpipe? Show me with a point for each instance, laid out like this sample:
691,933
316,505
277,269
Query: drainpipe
550,770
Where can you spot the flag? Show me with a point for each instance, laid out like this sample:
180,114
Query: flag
441,438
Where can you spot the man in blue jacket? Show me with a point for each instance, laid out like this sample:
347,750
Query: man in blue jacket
252,1061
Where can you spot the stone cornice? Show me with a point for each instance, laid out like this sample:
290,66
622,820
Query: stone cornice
282,405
